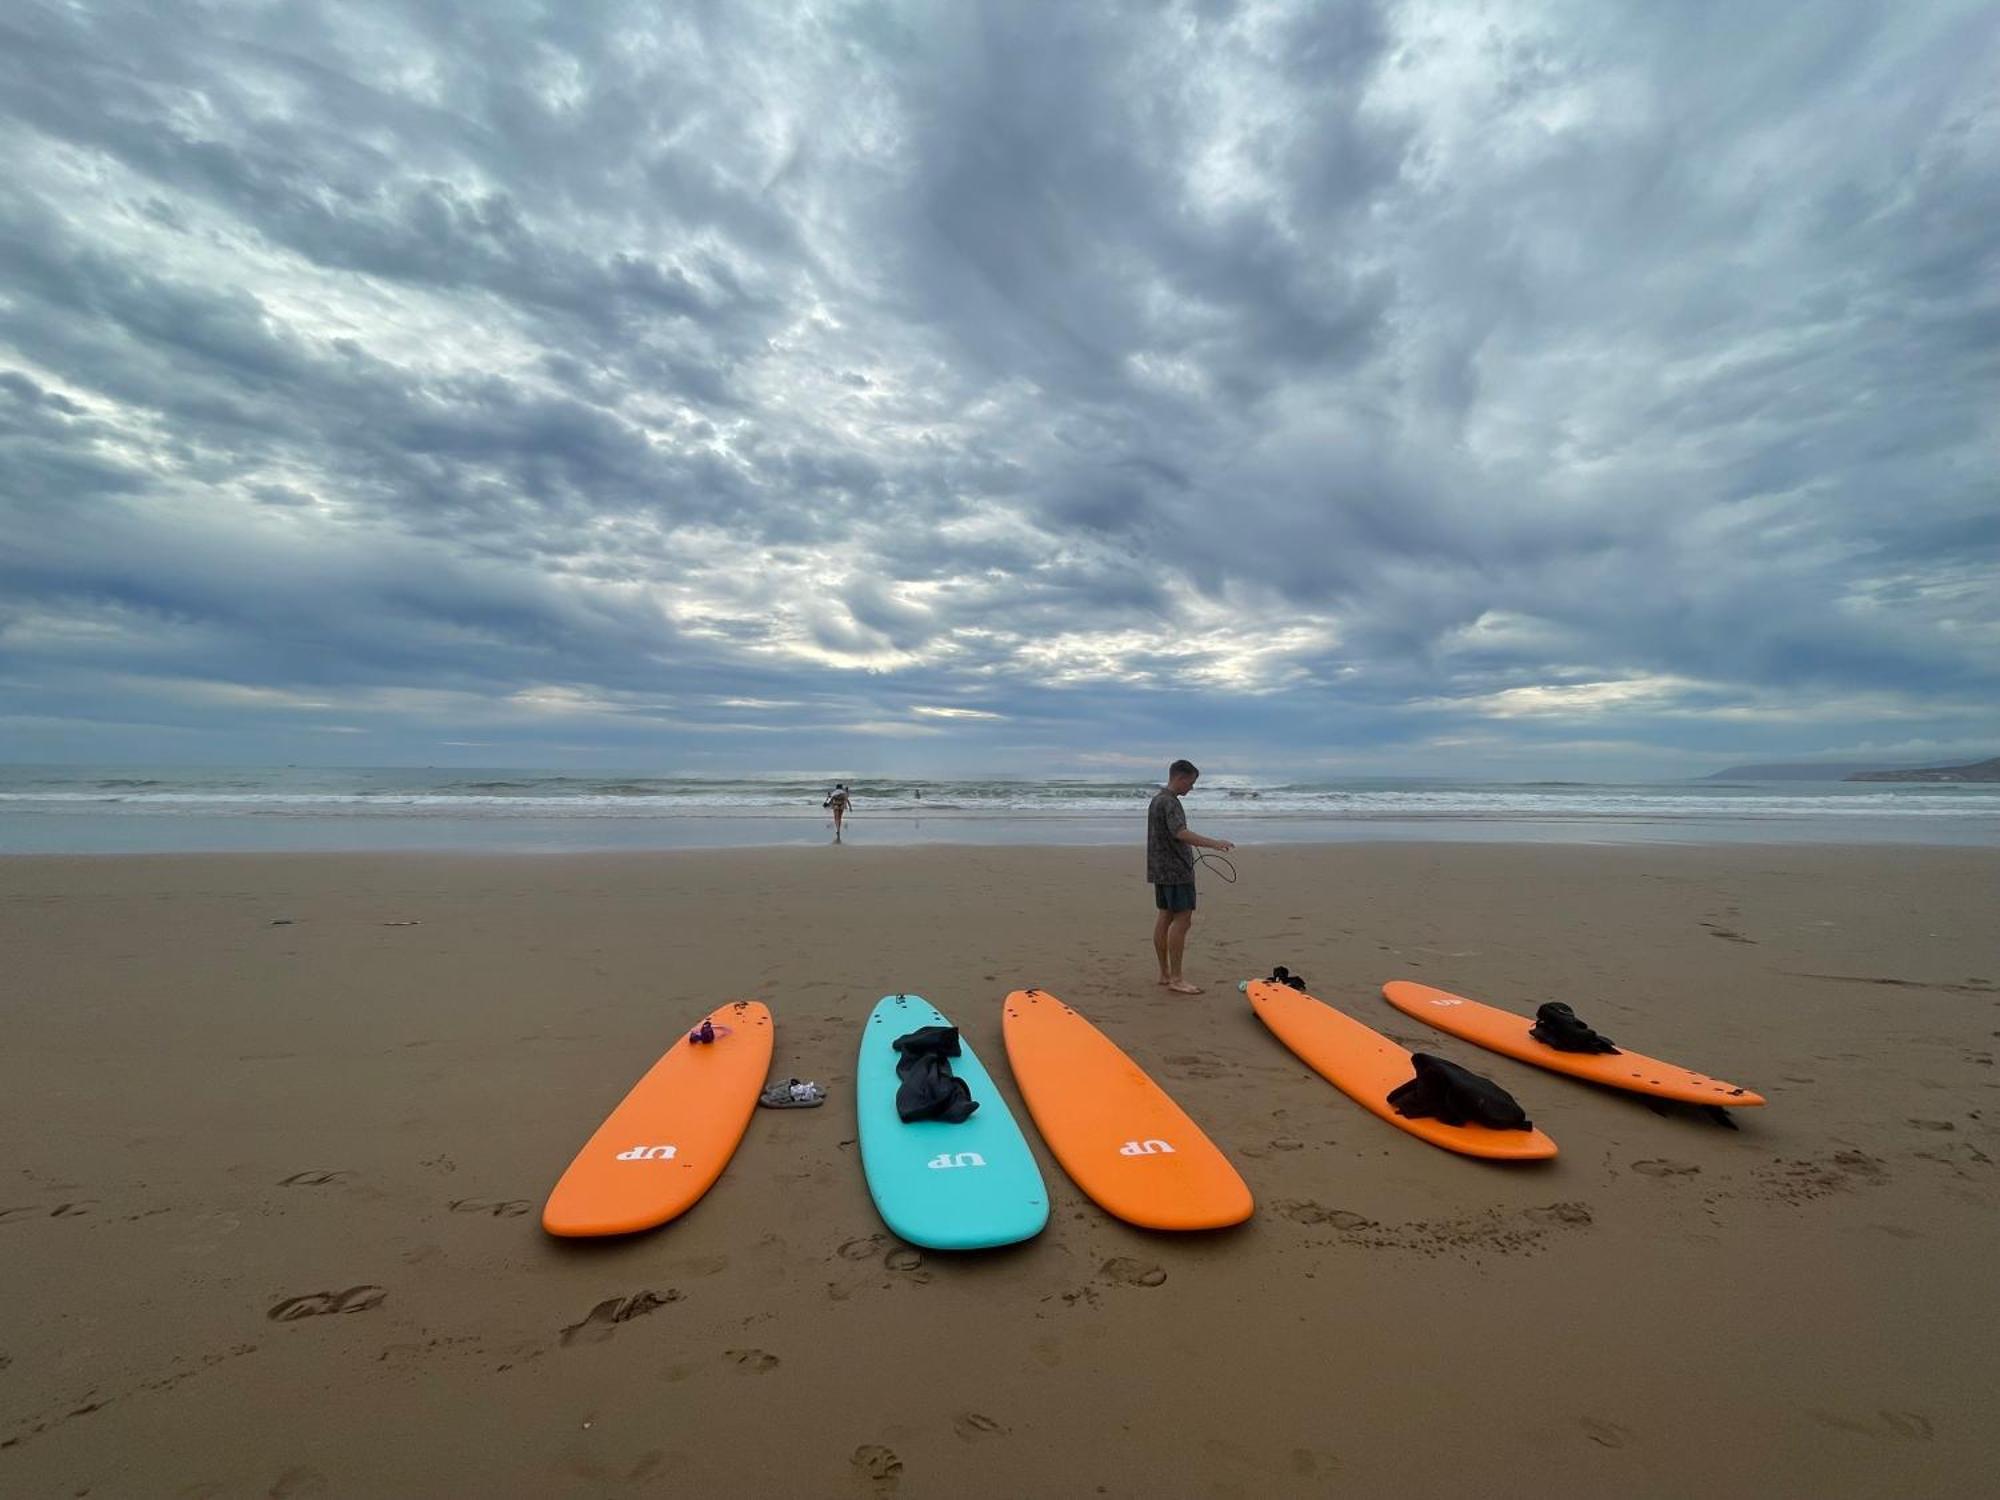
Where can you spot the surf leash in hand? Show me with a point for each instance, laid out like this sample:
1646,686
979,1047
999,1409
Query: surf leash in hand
1217,863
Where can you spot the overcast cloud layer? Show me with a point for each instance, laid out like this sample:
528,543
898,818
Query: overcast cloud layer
1512,389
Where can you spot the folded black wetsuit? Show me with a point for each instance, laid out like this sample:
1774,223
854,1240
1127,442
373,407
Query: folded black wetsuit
1557,1026
929,1089
1457,1096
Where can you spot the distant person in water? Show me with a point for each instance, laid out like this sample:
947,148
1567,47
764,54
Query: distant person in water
1170,846
837,800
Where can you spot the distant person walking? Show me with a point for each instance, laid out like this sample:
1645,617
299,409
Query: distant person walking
1170,846
837,799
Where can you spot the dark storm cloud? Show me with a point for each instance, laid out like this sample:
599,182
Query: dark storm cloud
1390,381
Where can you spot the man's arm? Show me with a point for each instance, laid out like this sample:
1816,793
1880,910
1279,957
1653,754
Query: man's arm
1202,841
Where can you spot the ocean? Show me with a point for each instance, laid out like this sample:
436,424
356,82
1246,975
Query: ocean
101,810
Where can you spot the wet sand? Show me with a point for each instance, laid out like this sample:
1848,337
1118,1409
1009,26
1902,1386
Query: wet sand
279,1127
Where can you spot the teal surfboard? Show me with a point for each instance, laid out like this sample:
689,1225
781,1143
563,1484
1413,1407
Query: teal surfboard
946,1187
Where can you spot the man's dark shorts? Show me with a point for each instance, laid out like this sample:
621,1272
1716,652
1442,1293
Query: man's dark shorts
1174,897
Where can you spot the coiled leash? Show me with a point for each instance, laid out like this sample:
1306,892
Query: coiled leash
1217,863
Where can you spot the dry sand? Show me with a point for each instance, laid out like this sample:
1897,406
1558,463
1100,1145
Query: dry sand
232,1083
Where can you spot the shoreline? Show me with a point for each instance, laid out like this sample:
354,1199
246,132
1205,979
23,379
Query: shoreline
57,835
852,848
244,1082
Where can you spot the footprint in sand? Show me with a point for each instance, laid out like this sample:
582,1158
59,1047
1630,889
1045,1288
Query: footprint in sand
972,1426
1561,1213
1126,1271
1663,1168
312,1179
1604,1434
601,1475
904,1259
35,1211
702,1265
319,1304
1341,1218
751,1361
1908,1424
510,1208
1956,1154
1933,1124
598,1324
1801,1180
861,1249
298,1483
1727,935
1913,1426
878,1468
1305,1211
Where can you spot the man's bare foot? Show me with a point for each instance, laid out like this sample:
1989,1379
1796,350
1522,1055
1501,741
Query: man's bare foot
1182,987
1165,980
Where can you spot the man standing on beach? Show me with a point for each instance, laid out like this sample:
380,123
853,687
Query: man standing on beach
1170,846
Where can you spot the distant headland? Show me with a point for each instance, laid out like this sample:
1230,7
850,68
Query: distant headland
1979,770
1984,770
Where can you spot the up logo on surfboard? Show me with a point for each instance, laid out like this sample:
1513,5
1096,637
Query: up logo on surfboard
1146,1148
650,1153
960,1159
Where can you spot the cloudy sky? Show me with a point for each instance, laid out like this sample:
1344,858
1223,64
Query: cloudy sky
1499,388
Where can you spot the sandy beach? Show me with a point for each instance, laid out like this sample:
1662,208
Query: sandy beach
279,1128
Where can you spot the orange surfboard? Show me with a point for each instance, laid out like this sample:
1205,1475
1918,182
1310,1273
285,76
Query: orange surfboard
1117,1134
1365,1065
1504,1032
667,1142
